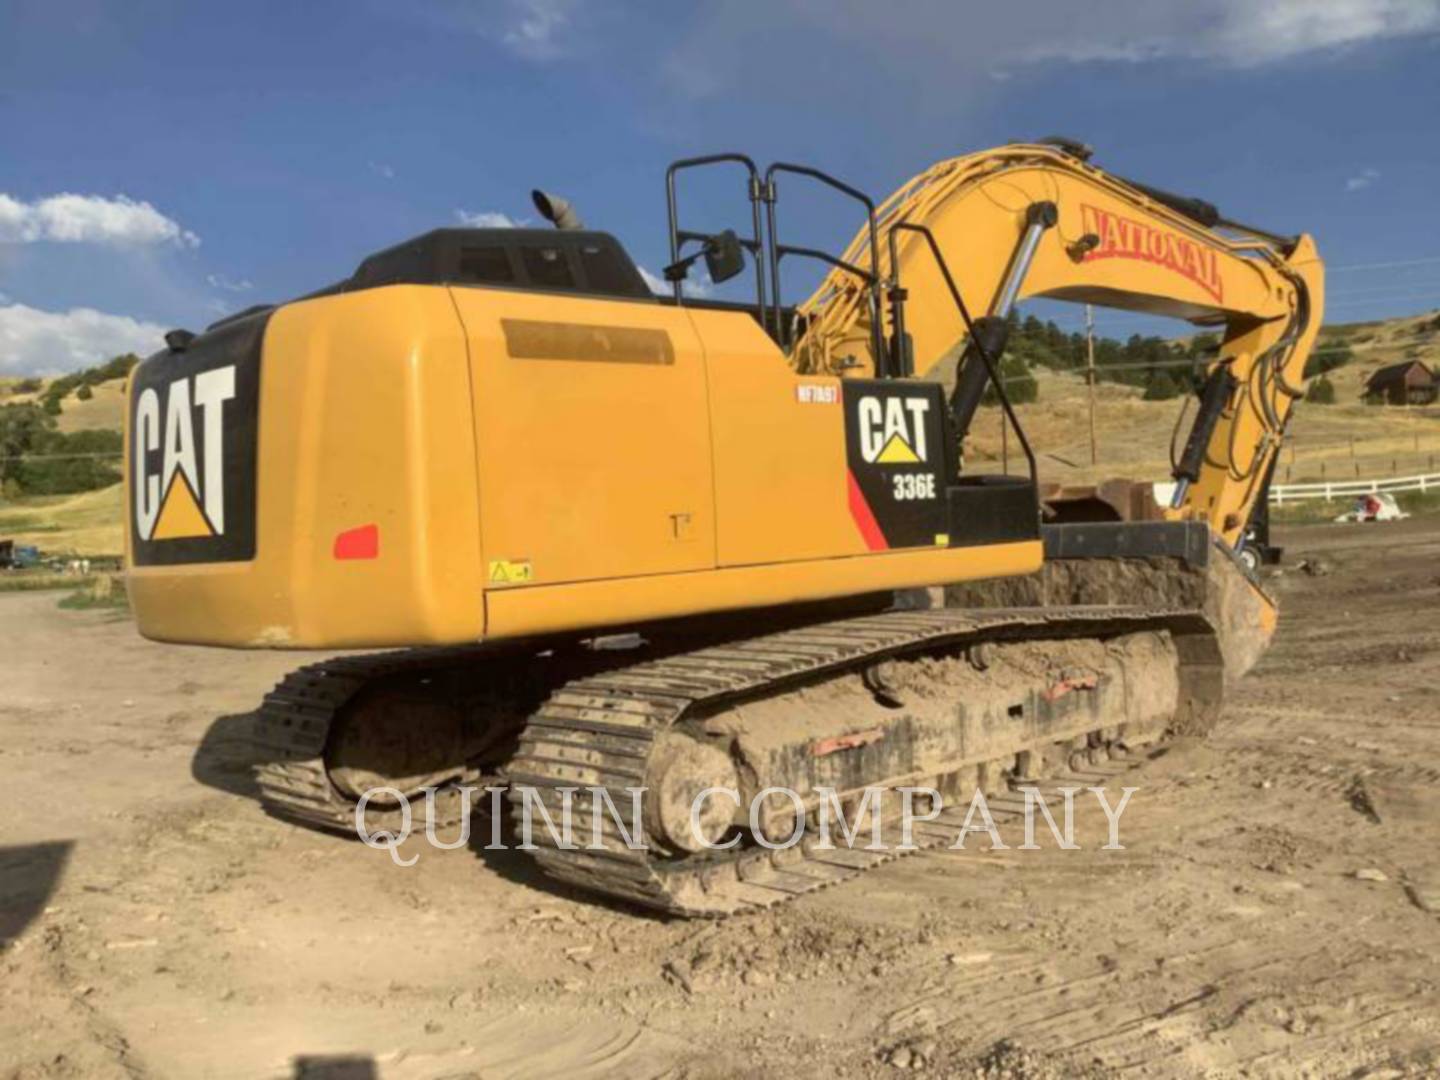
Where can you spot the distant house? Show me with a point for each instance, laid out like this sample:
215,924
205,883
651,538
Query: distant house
1407,383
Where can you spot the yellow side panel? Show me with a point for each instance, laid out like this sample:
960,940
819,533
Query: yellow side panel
521,612
364,421
780,481
592,433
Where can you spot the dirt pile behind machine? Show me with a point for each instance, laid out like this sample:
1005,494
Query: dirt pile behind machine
493,451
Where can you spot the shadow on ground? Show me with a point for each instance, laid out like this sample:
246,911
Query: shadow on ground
29,874
334,1067
519,867
227,756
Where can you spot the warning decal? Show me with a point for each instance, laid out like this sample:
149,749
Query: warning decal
511,572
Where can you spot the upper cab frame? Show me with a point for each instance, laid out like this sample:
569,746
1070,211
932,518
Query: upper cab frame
892,357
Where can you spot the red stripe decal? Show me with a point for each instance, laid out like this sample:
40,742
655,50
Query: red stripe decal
864,518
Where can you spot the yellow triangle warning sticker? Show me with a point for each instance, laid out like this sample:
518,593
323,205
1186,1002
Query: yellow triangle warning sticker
896,452
180,513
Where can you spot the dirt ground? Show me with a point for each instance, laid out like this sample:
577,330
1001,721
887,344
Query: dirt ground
1275,912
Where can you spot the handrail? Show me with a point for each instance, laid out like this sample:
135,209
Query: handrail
877,331
755,244
980,348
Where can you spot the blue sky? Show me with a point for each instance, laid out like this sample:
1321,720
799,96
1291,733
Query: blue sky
217,155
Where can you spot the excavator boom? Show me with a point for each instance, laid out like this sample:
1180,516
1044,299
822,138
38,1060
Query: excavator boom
1076,233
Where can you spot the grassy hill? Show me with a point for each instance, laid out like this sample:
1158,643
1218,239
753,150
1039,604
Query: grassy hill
1337,441
105,410
85,524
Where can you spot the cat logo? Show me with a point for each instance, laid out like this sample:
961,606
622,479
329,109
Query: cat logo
892,429
185,498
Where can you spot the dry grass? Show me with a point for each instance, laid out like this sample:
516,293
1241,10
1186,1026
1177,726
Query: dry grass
104,411
86,524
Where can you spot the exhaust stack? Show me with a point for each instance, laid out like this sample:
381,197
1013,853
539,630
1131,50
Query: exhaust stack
559,212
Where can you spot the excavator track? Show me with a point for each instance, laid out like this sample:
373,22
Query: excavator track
602,731
293,727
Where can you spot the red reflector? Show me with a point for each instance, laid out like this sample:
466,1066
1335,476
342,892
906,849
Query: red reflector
361,543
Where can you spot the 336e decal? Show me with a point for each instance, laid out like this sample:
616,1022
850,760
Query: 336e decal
914,486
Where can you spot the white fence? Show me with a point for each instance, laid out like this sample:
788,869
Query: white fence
1280,494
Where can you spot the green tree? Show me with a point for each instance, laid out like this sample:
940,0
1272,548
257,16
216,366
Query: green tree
38,460
1203,346
22,428
85,393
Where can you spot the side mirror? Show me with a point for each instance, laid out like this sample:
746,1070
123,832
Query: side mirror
724,257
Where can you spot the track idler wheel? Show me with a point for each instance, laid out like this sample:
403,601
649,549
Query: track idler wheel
680,769
397,736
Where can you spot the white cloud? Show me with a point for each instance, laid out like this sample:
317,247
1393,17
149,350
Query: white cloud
699,289
35,342
89,219
534,30
1363,179
729,49
380,169
220,281
1242,33
489,219
537,29
1253,32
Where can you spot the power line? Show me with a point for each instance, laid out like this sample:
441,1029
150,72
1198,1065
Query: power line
1426,261
1353,300
63,457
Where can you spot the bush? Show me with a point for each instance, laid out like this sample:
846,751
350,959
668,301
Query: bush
1328,356
1020,386
116,368
1162,386
85,393
1321,391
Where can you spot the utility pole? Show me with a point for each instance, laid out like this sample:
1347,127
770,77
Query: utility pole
1090,378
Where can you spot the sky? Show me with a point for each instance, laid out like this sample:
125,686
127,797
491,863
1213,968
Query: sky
164,163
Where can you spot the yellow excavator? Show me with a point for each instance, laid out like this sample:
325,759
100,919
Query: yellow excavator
594,537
